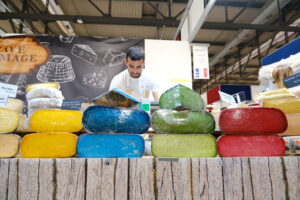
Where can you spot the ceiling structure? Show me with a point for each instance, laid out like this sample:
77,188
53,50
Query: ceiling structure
240,32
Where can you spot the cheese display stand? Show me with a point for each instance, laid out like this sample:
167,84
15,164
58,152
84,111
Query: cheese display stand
97,151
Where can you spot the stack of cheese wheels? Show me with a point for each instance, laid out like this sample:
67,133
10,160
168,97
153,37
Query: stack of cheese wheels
251,132
284,100
9,143
183,128
43,96
113,132
53,137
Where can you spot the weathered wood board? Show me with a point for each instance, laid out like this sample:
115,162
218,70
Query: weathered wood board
149,178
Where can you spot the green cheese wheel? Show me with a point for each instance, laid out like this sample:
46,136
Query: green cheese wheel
182,98
184,146
172,121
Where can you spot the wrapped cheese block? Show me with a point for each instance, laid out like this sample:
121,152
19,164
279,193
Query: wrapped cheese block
38,85
56,121
172,121
293,125
14,104
101,119
44,92
9,145
9,120
252,120
45,103
181,98
186,146
250,145
288,105
23,124
110,146
48,145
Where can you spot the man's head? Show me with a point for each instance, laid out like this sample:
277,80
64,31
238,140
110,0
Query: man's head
134,61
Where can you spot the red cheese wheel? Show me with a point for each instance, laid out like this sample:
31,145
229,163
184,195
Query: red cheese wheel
250,145
253,121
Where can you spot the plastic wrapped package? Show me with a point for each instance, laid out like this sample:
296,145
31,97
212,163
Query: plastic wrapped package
292,145
187,121
102,119
181,97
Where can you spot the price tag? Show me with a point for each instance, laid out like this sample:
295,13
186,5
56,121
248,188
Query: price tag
3,99
71,104
10,90
292,81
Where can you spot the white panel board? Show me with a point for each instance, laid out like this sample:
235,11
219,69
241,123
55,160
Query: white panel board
169,62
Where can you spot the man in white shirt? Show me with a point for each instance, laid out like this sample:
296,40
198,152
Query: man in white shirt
134,80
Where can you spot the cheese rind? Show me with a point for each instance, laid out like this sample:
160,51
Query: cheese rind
9,145
9,120
45,103
56,121
14,104
48,145
250,145
108,146
182,145
252,121
44,92
288,105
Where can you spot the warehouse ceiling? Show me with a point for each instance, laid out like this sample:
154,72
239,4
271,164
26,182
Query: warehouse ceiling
240,32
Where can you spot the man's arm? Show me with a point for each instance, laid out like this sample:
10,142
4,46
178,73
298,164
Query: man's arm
156,95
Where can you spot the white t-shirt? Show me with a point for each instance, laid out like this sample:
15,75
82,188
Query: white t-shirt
137,87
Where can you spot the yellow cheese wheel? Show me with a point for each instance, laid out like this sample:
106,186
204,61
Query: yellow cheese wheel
9,145
9,120
56,121
293,125
14,104
37,85
48,145
288,105
278,93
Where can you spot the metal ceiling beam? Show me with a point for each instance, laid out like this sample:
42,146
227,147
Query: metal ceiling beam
258,27
143,22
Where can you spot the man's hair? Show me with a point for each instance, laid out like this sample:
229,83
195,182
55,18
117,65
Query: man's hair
135,53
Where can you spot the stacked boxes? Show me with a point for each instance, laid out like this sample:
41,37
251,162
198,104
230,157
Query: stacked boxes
183,128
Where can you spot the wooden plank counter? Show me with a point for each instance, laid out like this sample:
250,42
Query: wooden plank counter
149,178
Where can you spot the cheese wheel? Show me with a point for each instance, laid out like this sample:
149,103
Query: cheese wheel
45,103
9,120
48,145
293,125
182,145
14,104
250,145
108,146
38,85
44,92
252,121
23,124
288,105
102,119
56,121
9,145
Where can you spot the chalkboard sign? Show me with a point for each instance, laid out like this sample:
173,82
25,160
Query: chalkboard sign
71,104
292,81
